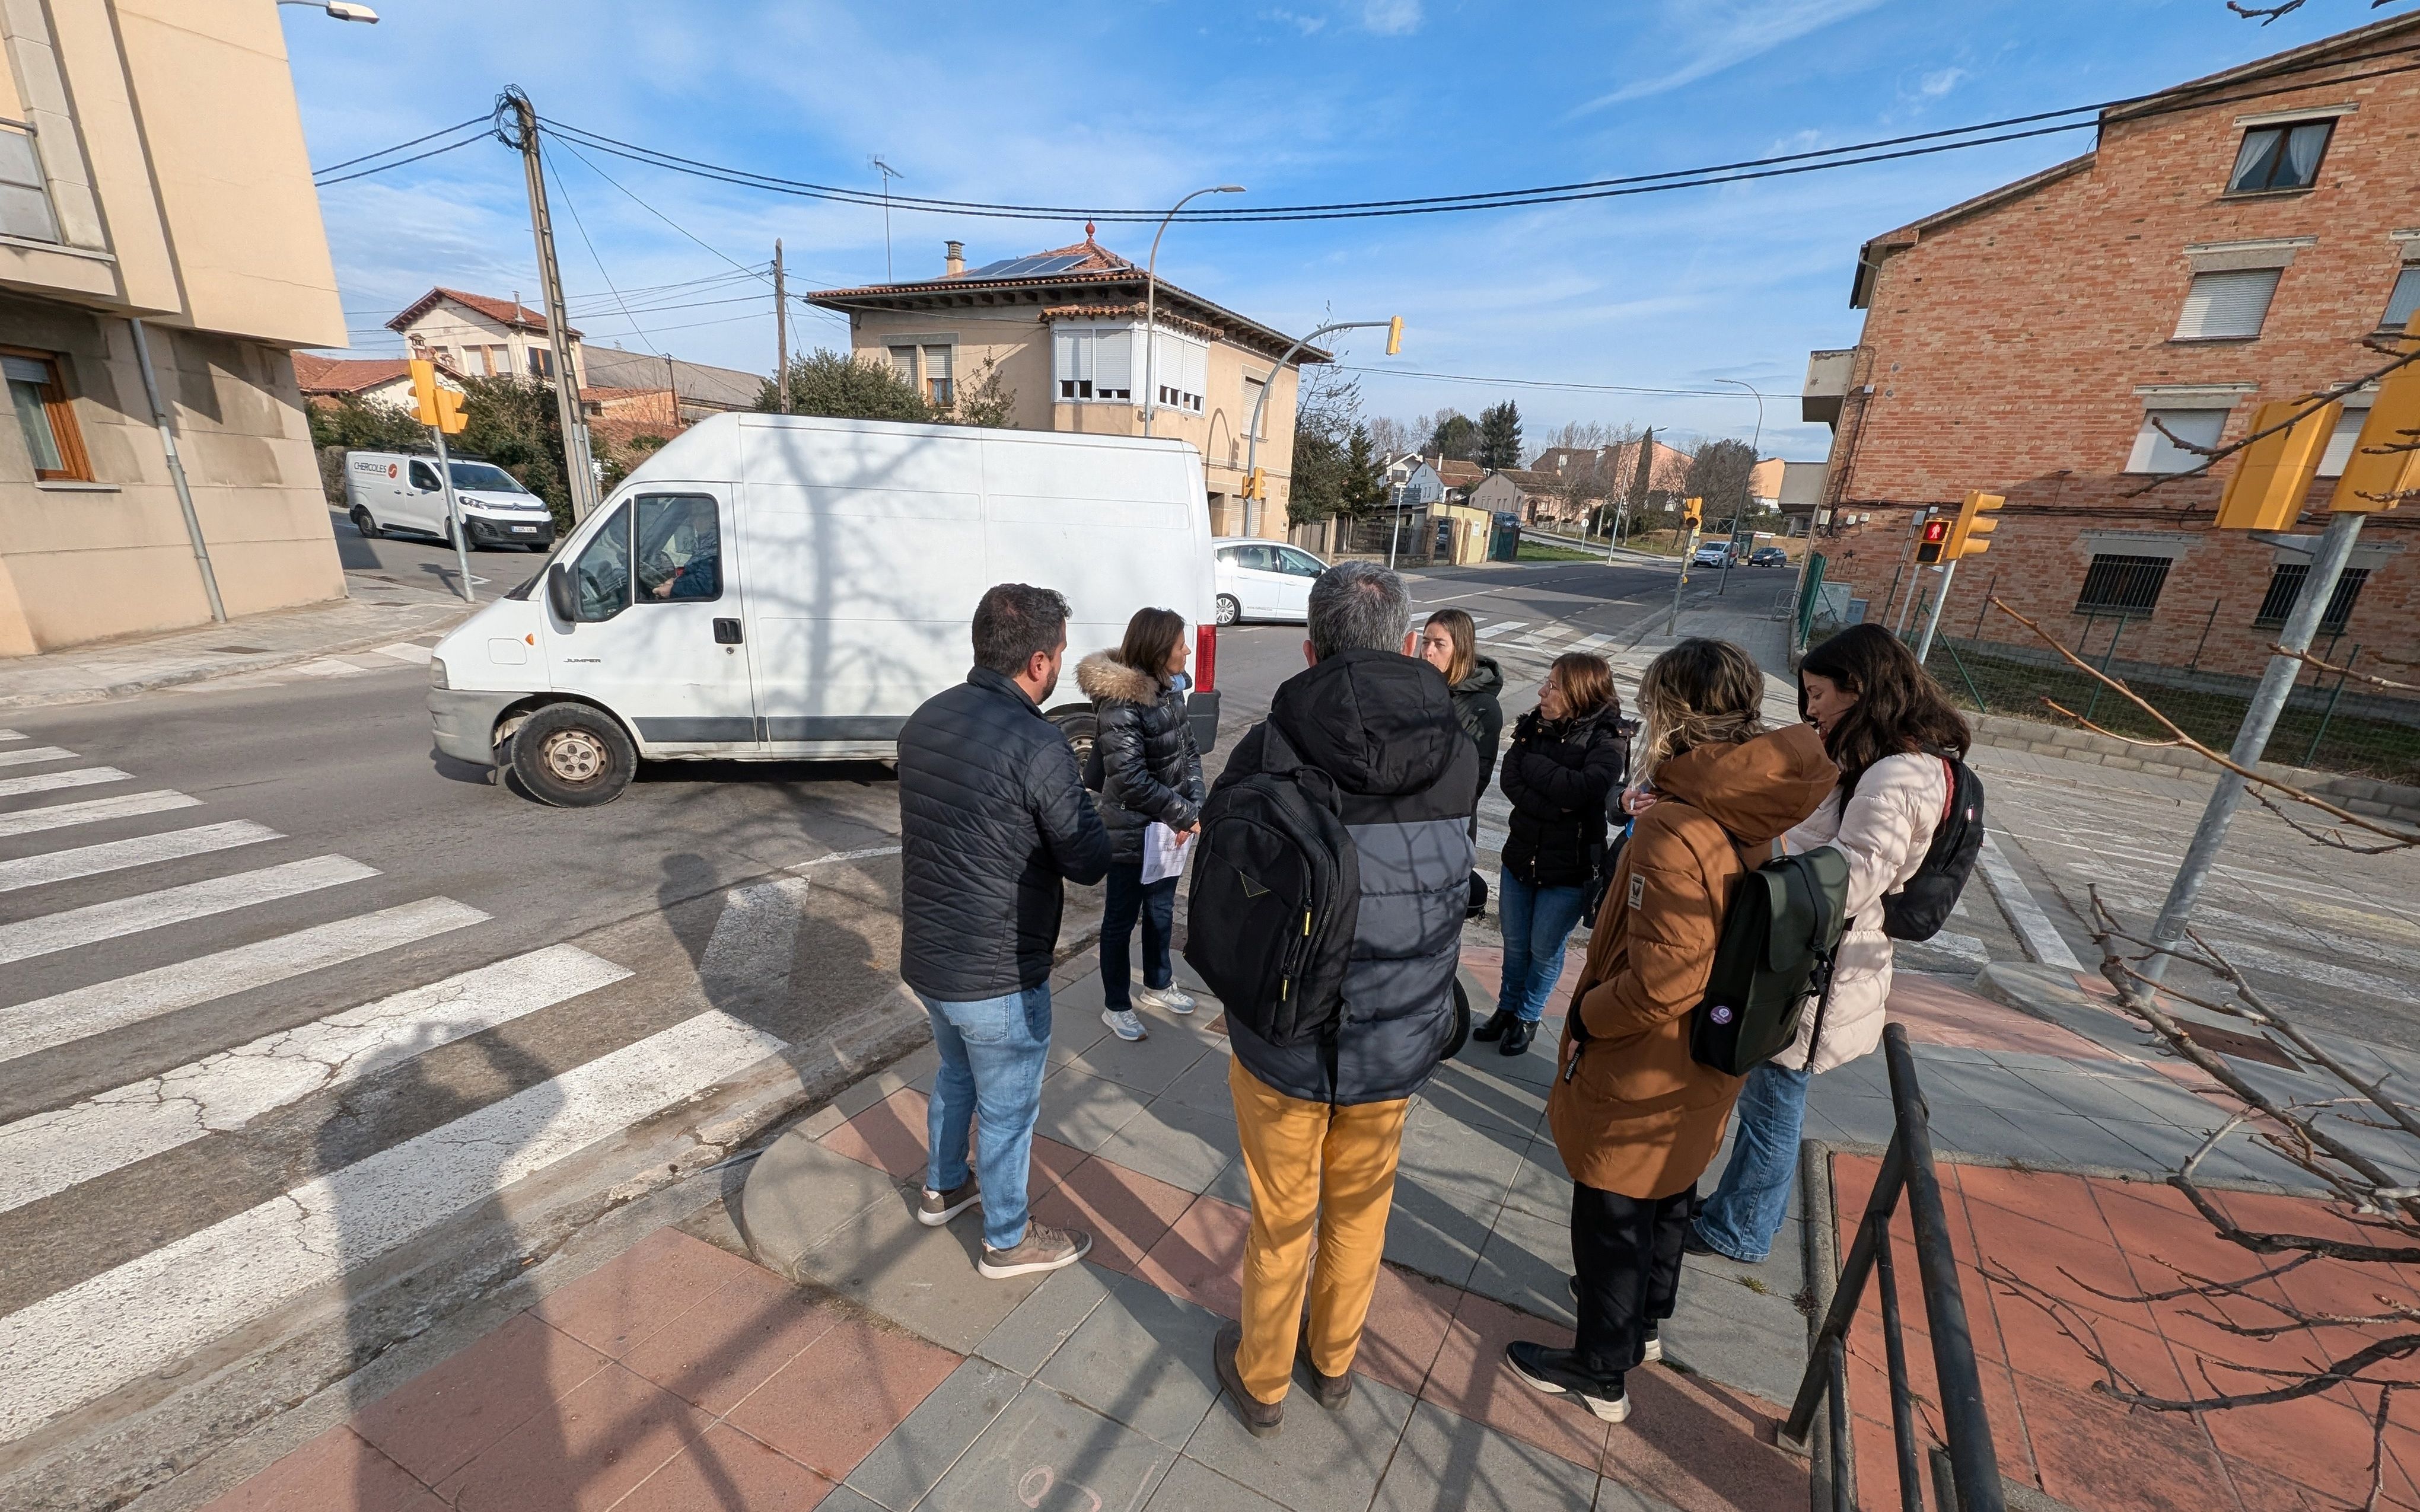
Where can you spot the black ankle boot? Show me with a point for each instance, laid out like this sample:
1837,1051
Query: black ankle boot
1494,1029
1517,1036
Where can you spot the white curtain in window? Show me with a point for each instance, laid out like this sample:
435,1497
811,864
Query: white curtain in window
2304,145
2229,303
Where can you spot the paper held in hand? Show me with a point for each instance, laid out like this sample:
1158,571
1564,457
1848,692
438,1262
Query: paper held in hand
1163,852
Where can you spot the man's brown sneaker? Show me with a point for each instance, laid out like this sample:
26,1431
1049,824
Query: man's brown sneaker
1042,1248
937,1208
1328,1391
1260,1419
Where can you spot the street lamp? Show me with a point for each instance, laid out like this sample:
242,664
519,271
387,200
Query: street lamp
1150,301
1253,436
1753,448
341,9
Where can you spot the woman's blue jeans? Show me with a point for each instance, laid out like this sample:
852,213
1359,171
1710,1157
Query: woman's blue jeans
994,1054
1749,1206
1537,920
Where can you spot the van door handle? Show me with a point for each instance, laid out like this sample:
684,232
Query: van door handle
727,632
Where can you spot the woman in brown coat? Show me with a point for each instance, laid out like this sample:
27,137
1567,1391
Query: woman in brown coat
1636,1118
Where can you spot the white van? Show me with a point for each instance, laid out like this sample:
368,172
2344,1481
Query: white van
802,584
399,491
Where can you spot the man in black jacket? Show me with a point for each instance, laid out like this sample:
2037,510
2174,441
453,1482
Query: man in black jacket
992,816
1321,1126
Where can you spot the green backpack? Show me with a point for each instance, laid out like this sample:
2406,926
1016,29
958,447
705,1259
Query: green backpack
1779,935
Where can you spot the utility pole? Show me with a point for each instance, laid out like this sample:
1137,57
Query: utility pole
781,333
580,470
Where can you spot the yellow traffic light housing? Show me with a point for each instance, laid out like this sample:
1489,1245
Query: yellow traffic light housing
423,391
2274,473
1931,547
450,418
1395,337
1969,534
1695,511
2385,462
1256,484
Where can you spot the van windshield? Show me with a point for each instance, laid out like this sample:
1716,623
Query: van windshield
486,477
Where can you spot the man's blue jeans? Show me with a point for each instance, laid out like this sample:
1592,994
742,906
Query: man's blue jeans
993,1055
1537,920
1750,1205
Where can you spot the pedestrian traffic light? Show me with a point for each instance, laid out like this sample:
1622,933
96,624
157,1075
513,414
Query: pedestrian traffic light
2274,473
1969,534
2385,462
1395,337
1695,511
1935,542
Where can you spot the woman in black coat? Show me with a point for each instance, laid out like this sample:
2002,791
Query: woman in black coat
1566,755
1146,769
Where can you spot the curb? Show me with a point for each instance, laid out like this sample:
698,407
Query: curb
210,673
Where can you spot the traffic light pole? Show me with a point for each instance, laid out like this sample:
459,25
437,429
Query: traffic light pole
1932,621
1688,548
2319,587
454,513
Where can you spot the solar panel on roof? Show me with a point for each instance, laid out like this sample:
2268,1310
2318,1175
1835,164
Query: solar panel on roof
1028,267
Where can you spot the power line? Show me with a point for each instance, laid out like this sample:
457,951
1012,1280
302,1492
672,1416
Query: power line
1788,164
581,227
433,152
442,131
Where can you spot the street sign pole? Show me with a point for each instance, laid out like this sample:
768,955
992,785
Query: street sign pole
1932,621
2319,587
454,512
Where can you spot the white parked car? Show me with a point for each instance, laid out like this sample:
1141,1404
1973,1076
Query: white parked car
398,491
779,587
1263,579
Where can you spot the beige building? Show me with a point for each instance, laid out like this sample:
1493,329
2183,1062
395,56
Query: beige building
479,336
1064,331
152,169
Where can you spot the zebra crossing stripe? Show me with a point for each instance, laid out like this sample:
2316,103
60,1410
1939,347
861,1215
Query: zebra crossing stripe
83,776
165,1304
407,651
91,811
50,1152
91,860
65,1017
174,906
32,754
1505,628
1591,642
11,734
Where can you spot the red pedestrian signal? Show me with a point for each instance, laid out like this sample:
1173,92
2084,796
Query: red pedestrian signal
1936,536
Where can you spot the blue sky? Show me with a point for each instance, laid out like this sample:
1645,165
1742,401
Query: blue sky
1310,100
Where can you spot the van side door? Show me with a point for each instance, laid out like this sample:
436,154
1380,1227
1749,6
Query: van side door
420,501
657,634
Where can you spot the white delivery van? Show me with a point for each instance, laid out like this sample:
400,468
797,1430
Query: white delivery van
779,587
399,491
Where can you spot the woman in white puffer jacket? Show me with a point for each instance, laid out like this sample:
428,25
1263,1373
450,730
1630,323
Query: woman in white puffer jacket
1888,726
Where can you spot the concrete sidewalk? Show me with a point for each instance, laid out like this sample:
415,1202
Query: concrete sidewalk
381,611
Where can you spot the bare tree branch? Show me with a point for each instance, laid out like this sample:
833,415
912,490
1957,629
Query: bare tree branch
2320,400
2309,661
2264,14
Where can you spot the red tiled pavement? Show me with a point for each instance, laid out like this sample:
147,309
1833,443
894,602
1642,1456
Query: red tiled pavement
1201,1258
889,1136
1125,1212
2061,1237
336,1471
834,1402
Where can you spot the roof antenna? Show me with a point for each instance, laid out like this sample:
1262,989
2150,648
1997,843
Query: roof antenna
888,172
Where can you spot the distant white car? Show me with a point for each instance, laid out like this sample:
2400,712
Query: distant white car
1263,579
397,491
1712,555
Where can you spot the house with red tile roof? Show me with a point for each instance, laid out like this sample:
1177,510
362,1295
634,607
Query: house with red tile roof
476,335
1064,330
378,379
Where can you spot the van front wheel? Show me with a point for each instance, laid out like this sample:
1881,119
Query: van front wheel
573,756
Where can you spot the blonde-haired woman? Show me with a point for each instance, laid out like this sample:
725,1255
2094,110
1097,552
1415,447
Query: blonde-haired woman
1636,1118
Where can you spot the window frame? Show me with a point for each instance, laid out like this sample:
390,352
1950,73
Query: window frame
2405,273
941,392
2121,563
2346,596
2276,281
2284,131
638,506
2141,455
59,410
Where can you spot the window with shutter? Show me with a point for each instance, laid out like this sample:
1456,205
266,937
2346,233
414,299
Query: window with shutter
2405,298
1114,362
2156,453
45,417
2226,306
903,362
24,202
940,374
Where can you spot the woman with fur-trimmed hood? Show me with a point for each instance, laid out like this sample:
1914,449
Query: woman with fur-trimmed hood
1146,768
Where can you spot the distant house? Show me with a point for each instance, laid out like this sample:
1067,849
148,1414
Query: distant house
1458,477
325,380
1516,491
479,336
702,390
1412,482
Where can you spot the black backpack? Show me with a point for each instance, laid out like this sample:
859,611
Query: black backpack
1780,933
1918,909
1277,894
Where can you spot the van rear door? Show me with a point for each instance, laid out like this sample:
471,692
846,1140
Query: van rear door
656,636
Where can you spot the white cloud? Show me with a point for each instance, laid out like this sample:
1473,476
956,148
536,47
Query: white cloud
1709,36
1939,83
1308,25
1392,18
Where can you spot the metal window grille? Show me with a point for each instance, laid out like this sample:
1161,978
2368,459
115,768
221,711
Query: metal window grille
2286,586
2122,585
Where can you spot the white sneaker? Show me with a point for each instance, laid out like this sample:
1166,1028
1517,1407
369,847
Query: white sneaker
1124,1024
1172,997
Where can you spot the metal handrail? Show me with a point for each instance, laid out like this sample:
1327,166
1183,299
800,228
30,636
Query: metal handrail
1907,1167
27,127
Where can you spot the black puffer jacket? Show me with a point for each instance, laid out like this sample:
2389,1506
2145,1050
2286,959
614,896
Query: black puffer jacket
1145,766
1382,726
1481,717
992,815
1557,775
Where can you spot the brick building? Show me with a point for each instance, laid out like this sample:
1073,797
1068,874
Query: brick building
2229,242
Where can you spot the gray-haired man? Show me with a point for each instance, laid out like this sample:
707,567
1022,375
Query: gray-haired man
1321,1127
